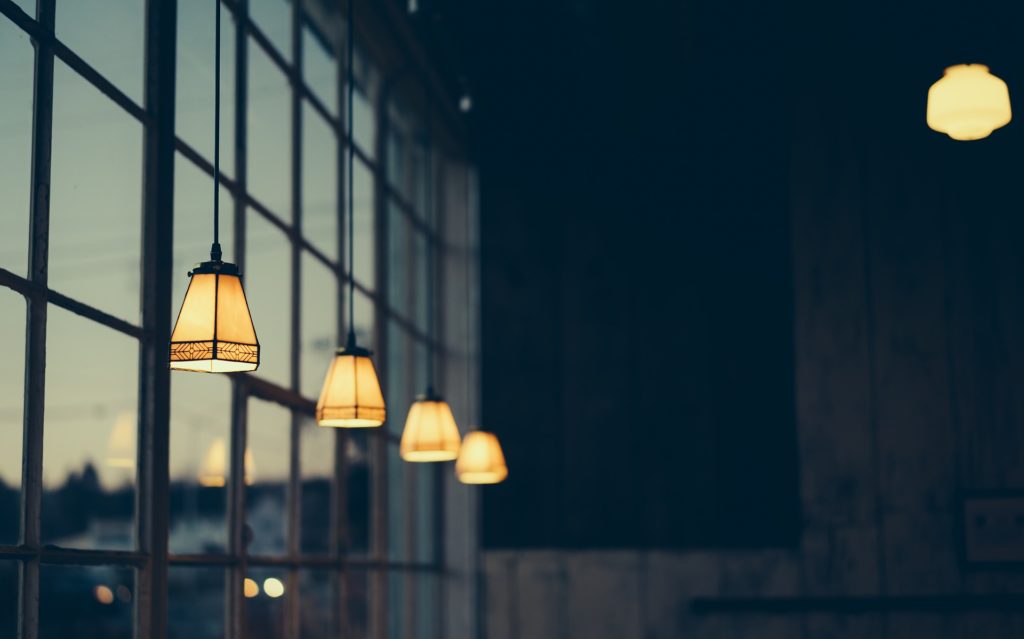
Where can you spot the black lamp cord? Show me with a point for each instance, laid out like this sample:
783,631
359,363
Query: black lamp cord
349,62
469,307
215,252
428,170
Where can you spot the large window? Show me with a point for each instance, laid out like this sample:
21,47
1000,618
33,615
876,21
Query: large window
204,506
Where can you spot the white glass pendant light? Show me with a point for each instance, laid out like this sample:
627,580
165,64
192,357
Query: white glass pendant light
351,396
968,103
214,331
430,434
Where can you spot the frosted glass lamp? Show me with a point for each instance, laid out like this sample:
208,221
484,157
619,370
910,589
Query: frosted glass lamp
968,103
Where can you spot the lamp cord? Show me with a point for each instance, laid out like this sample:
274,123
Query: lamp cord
215,252
428,170
469,307
351,181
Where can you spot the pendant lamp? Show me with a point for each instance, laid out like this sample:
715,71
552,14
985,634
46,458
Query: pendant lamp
968,103
430,434
351,395
481,460
214,331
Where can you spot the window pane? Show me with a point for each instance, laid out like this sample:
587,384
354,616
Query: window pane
357,481
266,469
401,377
366,249
400,293
200,468
267,279
356,592
115,49
95,206
8,599
428,605
365,314
89,439
274,19
318,609
93,602
317,474
398,506
365,123
193,224
194,93
264,611
320,336
195,603
319,70
396,605
320,212
269,159
427,482
15,145
12,390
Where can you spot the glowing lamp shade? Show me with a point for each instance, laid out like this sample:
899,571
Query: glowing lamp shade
214,331
351,396
430,434
481,460
968,103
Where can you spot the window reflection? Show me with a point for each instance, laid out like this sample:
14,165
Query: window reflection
15,146
317,465
265,603
320,212
89,437
318,607
12,375
116,50
194,92
269,156
96,198
266,468
195,603
267,281
199,463
93,602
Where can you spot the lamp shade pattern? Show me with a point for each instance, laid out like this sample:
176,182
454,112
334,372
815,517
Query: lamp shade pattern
481,460
430,434
351,395
968,103
214,332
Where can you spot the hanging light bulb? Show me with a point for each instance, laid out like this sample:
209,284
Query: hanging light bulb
430,434
481,460
968,103
351,395
214,331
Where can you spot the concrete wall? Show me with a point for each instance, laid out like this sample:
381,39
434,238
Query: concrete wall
909,317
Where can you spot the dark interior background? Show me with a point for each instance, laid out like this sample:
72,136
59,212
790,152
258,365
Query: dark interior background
645,168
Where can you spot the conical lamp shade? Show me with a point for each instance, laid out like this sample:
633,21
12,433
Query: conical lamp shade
968,103
214,331
481,460
430,434
351,396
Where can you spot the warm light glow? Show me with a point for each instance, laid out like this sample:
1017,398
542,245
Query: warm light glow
430,434
250,588
351,395
214,331
968,103
213,471
121,445
104,595
249,460
481,460
273,587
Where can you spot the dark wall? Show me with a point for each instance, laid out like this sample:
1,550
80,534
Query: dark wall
691,210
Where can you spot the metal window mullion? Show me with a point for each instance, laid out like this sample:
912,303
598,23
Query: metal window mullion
294,500
234,610
35,337
152,496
